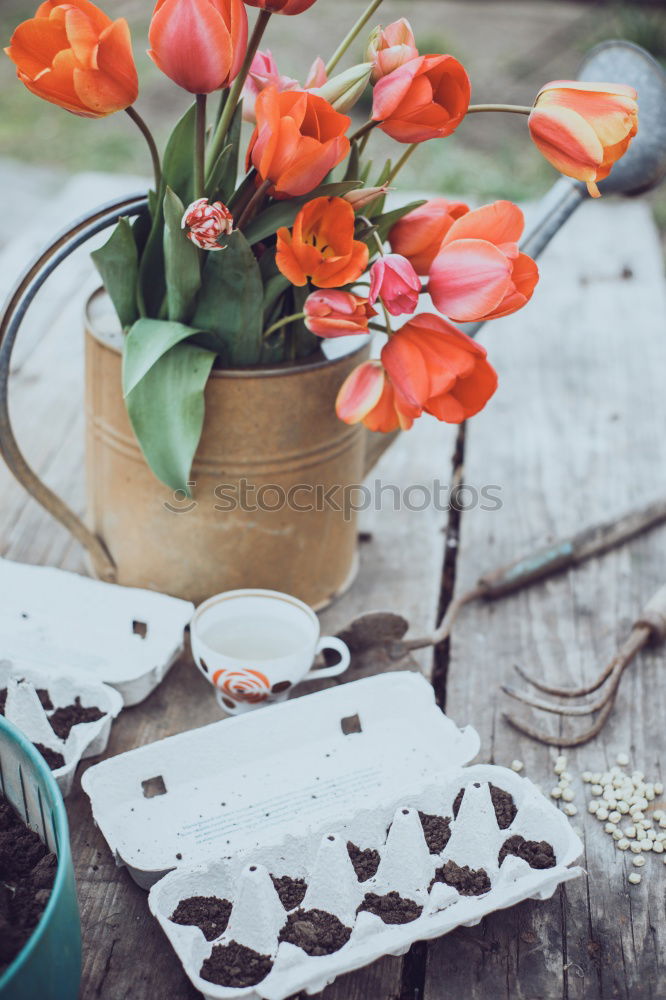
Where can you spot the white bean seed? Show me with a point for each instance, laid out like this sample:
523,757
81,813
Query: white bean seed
615,816
638,862
593,805
556,793
623,844
517,765
570,809
659,790
597,790
630,831
587,777
623,807
634,878
617,834
622,758
658,847
635,847
568,796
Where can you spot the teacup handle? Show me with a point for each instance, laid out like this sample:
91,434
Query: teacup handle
331,642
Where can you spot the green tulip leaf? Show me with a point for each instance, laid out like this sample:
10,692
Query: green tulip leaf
384,223
145,344
118,264
230,306
181,261
167,409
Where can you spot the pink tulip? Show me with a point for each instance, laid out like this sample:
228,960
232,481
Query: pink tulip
425,98
390,47
199,44
336,313
368,397
479,272
204,223
394,280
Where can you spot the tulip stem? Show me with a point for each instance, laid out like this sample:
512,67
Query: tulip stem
349,38
236,90
200,147
247,213
363,131
516,109
401,162
152,146
282,322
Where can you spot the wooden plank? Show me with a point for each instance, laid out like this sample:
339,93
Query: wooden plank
574,436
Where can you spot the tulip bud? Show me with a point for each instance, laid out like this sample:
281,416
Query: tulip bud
391,47
336,313
364,196
204,223
394,280
344,90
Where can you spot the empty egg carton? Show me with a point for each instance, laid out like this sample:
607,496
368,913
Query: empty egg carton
316,846
32,698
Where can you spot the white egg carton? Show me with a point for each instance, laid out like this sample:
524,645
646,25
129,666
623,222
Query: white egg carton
281,791
125,637
23,707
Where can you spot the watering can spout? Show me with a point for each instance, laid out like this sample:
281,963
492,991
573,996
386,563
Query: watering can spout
376,444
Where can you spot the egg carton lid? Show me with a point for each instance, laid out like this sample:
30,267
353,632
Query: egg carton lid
293,768
57,620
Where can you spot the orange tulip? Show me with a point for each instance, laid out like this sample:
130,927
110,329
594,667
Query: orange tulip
321,246
427,365
199,44
298,139
419,234
584,128
425,98
479,273
73,55
282,6
336,313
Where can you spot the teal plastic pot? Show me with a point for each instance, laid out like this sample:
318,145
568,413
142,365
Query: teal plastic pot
49,965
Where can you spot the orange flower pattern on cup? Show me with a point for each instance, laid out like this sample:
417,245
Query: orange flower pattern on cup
243,684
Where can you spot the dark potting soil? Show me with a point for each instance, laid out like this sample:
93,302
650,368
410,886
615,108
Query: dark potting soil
436,830
27,871
290,890
503,804
467,881
537,853
315,931
52,757
63,719
235,965
392,908
209,913
365,862
42,694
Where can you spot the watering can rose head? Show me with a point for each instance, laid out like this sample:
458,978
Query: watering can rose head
584,128
73,55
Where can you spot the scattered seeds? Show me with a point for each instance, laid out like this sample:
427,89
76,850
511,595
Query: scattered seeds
567,795
638,862
634,878
623,844
570,809
556,793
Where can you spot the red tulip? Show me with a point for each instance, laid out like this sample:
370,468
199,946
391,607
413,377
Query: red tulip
281,6
426,98
584,128
73,55
199,44
419,234
479,272
298,139
337,313
394,280
204,223
321,247
390,47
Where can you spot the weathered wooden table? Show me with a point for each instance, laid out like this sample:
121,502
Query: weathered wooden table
574,435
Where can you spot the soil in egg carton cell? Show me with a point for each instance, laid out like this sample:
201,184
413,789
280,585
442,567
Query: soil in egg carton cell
436,830
503,804
392,908
52,757
209,913
63,719
42,694
290,890
315,931
467,881
365,862
537,853
235,966
27,871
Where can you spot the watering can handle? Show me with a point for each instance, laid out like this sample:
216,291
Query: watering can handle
13,314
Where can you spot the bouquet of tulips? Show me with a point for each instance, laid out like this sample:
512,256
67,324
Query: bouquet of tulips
248,256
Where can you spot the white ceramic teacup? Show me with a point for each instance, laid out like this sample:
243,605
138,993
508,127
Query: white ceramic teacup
253,646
